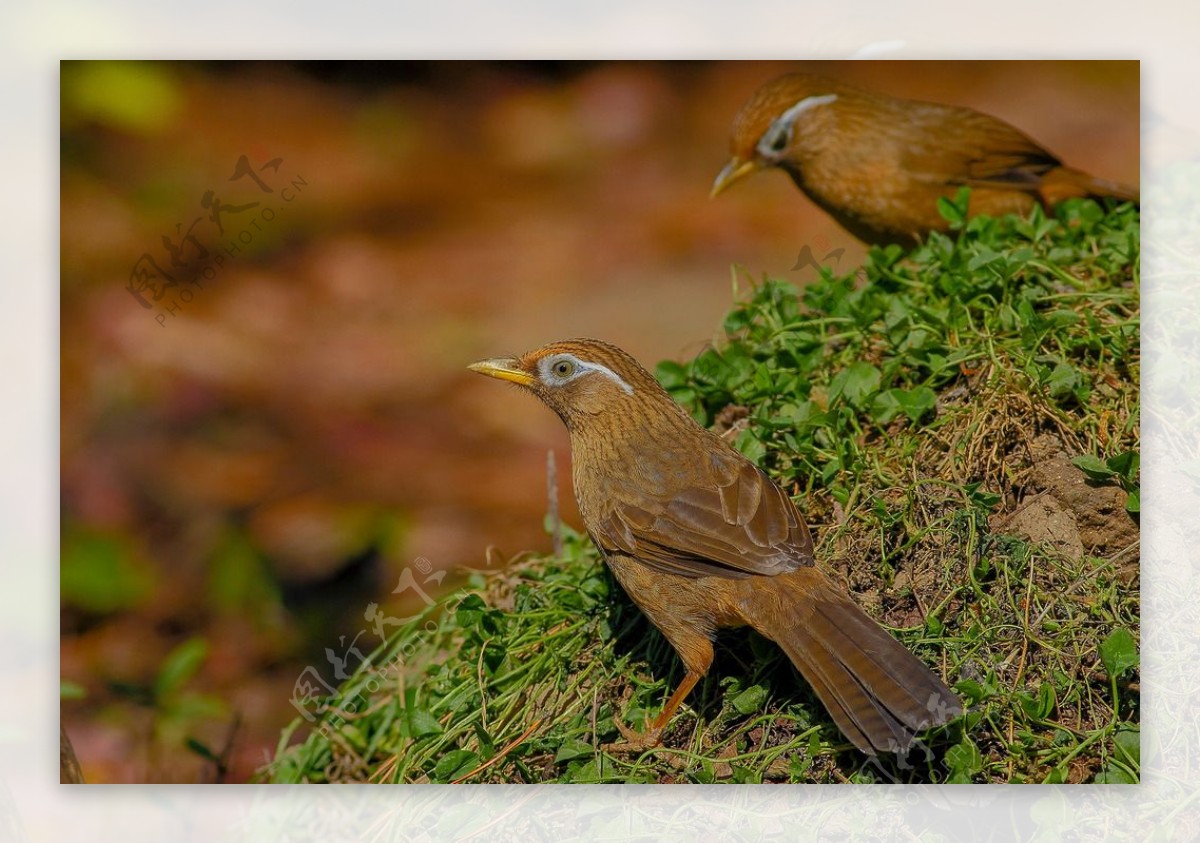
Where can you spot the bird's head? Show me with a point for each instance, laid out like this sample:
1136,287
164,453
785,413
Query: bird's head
583,381
771,128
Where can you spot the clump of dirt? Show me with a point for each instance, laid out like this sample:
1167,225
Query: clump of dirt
1043,519
1050,502
731,421
1066,510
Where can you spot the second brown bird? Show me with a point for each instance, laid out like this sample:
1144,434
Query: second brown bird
878,164
701,539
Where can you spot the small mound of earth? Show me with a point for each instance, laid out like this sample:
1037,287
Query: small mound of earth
1066,510
731,421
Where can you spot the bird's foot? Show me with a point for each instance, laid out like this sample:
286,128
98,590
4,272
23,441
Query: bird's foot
633,741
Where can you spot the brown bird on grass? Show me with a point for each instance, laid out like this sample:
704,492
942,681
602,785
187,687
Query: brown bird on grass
701,539
879,164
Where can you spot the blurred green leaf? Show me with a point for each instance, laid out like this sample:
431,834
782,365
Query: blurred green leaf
573,749
1064,379
954,211
974,691
1128,744
101,574
190,706
855,383
671,374
745,776
470,611
239,580
981,498
421,723
1056,776
591,771
1038,707
913,403
1123,469
798,768
984,257
1125,465
133,96
1114,775
1118,652
707,774
454,764
751,700
749,444
964,761
71,691
180,665
1093,467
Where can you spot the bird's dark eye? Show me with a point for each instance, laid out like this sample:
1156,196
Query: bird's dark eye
563,368
778,141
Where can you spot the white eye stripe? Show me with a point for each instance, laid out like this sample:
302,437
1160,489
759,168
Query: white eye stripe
546,365
785,121
804,105
604,370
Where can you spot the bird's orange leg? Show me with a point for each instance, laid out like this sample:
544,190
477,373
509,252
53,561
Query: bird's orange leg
650,738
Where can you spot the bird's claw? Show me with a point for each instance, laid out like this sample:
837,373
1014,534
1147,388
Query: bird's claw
633,741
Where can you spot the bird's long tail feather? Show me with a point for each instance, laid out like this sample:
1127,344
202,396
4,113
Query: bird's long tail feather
877,692
1066,182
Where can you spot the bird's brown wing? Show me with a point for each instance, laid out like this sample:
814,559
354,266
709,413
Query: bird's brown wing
739,525
970,148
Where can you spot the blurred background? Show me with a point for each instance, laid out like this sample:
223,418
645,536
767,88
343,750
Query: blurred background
252,460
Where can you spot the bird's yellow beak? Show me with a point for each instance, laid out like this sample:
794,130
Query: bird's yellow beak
734,171
506,369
